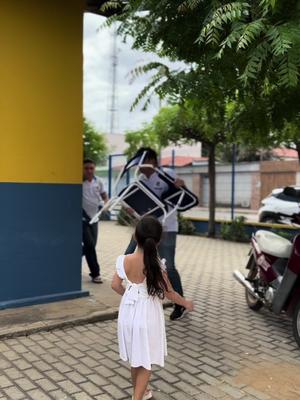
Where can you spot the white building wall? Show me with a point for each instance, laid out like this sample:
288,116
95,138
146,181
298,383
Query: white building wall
243,186
243,182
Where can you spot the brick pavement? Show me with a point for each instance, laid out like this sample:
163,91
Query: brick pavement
221,351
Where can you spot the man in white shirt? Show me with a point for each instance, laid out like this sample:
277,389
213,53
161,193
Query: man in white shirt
93,194
167,246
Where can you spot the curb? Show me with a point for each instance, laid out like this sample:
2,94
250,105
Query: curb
37,327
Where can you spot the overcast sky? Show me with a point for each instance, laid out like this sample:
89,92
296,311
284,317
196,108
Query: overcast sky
98,79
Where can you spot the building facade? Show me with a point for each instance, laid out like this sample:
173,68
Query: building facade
253,181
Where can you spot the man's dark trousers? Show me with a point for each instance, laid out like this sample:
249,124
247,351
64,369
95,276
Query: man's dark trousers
89,238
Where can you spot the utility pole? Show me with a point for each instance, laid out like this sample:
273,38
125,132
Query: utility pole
113,104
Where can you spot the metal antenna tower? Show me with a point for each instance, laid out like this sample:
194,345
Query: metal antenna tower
113,103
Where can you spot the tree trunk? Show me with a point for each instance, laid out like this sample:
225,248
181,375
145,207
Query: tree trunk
212,189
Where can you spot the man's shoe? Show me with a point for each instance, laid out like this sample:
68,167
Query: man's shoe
97,279
178,313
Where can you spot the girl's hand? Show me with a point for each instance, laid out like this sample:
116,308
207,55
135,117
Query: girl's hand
189,305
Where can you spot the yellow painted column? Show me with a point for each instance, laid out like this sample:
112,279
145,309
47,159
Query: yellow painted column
40,150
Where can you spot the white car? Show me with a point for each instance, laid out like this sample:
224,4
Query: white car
282,206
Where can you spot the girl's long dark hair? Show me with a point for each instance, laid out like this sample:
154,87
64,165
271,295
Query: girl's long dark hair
148,234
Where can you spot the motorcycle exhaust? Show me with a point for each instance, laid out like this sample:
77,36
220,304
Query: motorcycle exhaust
241,279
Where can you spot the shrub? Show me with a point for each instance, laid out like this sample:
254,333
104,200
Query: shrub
235,230
186,227
285,234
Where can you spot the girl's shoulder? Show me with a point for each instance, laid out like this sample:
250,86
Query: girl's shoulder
120,266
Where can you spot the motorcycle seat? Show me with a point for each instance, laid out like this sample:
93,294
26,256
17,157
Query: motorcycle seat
273,244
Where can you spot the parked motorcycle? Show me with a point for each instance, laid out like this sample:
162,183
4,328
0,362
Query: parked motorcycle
273,278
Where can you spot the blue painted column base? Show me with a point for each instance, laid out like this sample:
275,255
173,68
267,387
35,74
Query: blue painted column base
40,243
43,299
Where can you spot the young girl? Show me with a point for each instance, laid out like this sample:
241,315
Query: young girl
141,325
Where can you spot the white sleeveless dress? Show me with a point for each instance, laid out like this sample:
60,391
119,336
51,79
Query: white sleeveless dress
141,324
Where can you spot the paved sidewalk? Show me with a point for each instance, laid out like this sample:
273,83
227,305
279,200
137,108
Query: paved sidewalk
221,351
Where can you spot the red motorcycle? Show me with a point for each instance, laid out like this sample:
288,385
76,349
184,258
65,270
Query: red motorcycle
273,278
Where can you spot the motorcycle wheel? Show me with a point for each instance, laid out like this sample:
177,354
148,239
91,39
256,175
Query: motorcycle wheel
296,323
252,302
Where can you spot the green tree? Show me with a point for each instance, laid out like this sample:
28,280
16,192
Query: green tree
218,101
144,137
198,121
263,34
94,144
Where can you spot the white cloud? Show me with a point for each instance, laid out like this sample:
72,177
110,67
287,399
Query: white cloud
98,77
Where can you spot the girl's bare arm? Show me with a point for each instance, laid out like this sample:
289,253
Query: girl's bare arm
175,297
116,284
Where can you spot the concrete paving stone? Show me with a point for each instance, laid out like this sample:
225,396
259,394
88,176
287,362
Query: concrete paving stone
113,391
118,381
209,361
60,395
214,356
55,375
204,396
5,382
68,386
11,355
82,369
124,373
76,377
33,374
46,385
42,366
167,376
68,360
14,393
89,362
189,368
62,367
38,350
25,384
162,396
30,357
22,364
104,371
97,355
213,391
75,353
206,378
91,388
38,394
102,397
82,396
207,369
186,388
97,379
13,373
3,348
231,391
256,393
171,369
